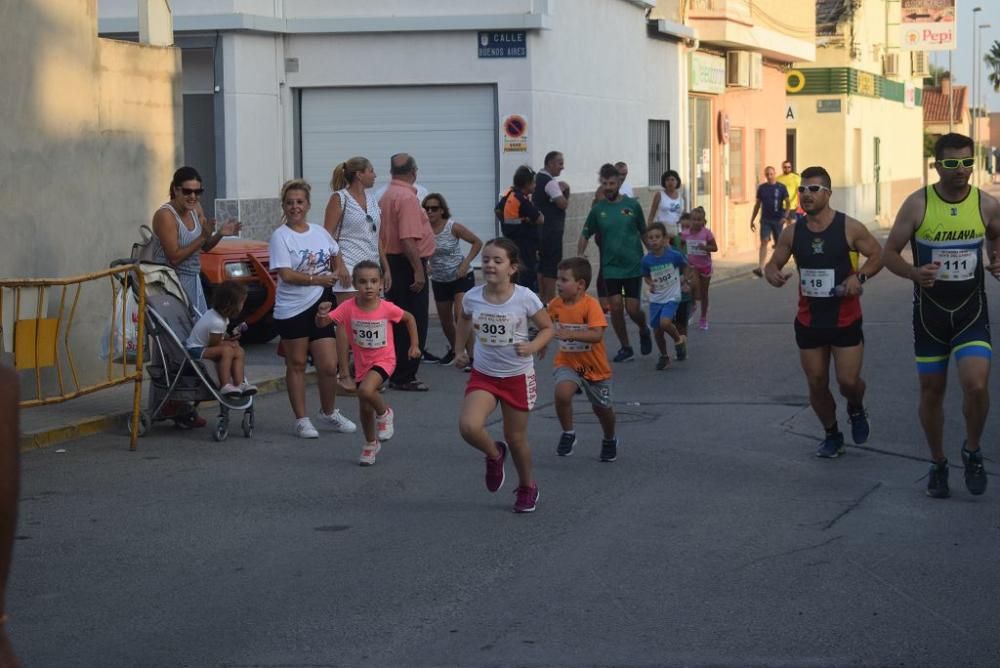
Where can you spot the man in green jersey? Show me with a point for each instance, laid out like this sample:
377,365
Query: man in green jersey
621,224
948,225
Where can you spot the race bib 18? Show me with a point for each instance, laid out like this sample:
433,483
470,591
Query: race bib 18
816,282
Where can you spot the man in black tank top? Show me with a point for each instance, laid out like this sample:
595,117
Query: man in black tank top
953,230
825,244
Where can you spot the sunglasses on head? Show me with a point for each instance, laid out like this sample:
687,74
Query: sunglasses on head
813,188
192,191
955,163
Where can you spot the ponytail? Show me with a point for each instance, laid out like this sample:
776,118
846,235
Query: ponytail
344,173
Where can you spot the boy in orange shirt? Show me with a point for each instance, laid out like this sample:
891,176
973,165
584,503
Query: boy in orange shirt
582,361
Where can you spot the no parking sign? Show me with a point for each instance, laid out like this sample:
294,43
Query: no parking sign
515,134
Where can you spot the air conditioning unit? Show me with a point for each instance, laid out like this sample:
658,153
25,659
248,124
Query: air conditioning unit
756,71
890,64
918,64
738,69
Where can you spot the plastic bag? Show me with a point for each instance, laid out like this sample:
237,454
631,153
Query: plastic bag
112,344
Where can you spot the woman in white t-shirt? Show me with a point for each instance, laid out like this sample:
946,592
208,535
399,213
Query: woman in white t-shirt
353,219
307,260
497,313
668,204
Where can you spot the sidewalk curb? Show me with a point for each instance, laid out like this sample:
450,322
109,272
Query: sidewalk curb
46,438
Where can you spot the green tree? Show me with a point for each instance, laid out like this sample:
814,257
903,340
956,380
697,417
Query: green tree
992,59
934,74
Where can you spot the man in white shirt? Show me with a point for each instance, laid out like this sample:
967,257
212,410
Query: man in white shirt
626,187
551,198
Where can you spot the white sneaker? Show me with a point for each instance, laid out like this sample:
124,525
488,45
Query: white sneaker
369,452
247,390
338,422
230,390
304,428
384,425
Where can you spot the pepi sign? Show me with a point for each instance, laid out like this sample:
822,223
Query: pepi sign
927,25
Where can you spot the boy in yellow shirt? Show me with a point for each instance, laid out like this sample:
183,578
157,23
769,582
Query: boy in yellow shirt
582,361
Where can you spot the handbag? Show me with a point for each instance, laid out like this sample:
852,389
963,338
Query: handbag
142,251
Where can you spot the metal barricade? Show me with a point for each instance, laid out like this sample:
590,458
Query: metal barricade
36,339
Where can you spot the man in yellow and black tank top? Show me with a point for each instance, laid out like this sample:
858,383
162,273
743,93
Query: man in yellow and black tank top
948,226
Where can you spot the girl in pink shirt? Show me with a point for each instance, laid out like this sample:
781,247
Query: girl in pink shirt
700,244
368,319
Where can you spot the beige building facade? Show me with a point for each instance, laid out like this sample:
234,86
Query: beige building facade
91,136
857,109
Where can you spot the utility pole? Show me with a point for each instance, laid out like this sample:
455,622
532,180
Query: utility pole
975,79
951,97
979,94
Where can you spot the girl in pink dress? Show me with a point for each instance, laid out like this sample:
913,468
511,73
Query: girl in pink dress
700,244
367,320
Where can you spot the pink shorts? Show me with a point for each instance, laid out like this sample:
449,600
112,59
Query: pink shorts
518,392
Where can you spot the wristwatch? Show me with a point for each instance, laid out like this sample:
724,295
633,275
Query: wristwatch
861,278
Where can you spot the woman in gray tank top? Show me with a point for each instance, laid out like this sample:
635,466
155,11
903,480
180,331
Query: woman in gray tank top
181,232
450,269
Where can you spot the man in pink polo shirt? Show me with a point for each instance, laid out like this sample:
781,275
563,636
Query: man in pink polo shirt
409,243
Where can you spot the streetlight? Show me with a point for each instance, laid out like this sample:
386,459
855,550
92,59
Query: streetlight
975,76
977,93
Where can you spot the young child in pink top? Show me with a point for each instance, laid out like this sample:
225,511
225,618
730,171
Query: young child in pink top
700,243
368,319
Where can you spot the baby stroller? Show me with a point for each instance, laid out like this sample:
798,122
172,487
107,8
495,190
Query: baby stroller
177,383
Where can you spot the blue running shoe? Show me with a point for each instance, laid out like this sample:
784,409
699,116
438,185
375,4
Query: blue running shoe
861,428
975,472
831,447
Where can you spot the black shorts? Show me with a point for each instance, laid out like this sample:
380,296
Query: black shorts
630,287
445,292
683,314
940,332
810,338
550,252
303,325
600,285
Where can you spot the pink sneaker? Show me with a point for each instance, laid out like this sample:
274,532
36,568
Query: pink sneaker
369,452
494,468
384,425
525,499
703,324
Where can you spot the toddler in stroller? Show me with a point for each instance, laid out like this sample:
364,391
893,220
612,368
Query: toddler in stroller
210,339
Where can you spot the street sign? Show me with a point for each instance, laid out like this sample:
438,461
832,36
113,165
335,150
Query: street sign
927,25
503,44
828,106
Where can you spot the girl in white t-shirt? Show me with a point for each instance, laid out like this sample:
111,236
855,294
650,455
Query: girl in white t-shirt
210,340
497,314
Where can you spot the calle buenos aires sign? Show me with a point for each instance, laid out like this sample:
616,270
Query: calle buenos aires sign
927,25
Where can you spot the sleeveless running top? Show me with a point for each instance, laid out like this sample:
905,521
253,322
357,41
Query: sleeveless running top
825,260
951,234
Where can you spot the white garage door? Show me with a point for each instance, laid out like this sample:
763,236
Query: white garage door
449,130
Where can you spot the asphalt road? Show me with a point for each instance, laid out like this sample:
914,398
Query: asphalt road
716,539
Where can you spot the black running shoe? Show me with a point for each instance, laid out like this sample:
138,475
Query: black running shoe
937,481
663,362
448,358
975,473
429,358
860,427
566,443
831,447
682,349
645,342
609,449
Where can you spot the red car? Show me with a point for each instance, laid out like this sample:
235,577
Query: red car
244,261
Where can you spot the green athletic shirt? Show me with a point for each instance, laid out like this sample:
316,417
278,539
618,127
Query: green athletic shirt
621,225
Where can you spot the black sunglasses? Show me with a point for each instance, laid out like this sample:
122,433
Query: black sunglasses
813,188
192,191
371,220
432,208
